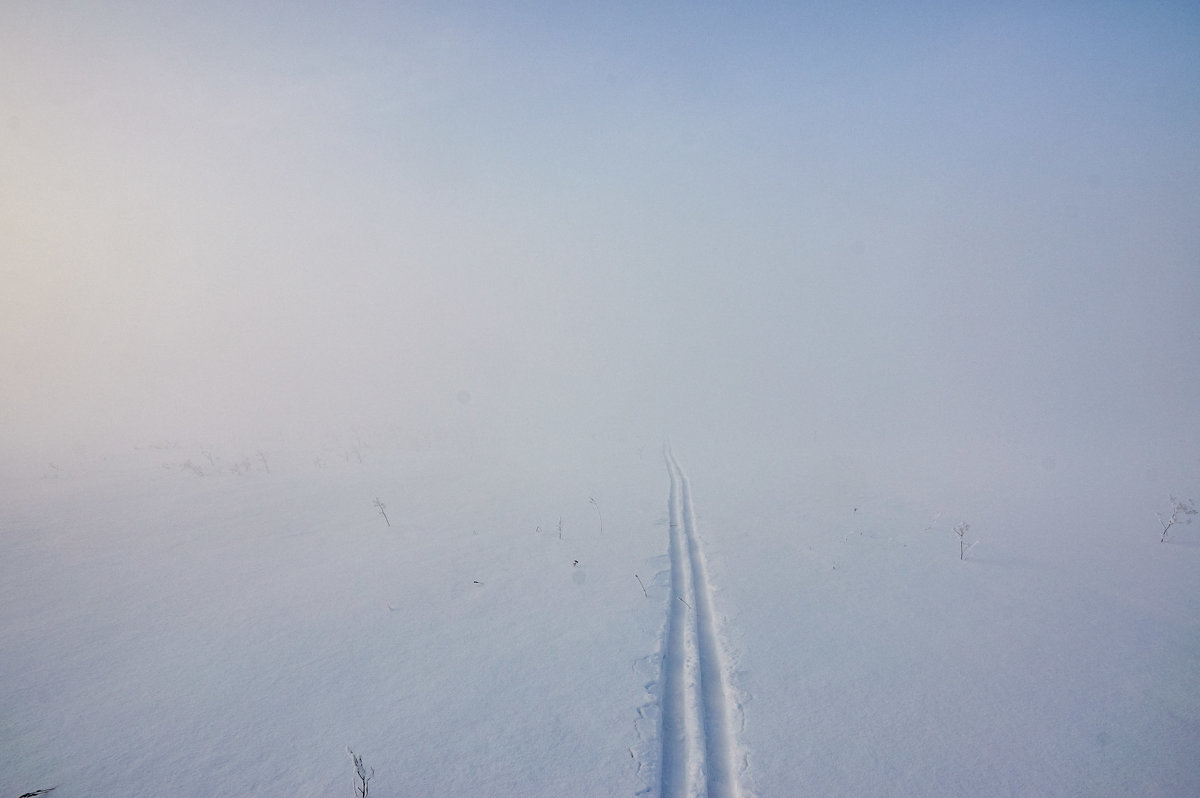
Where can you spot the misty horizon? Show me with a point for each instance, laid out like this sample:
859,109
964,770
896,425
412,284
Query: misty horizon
969,233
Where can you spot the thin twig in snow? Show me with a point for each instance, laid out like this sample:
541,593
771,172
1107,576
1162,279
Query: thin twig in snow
592,500
382,510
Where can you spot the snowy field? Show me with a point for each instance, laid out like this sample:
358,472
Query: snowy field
194,622
573,400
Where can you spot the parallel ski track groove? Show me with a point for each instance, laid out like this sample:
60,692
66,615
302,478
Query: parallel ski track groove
675,736
696,736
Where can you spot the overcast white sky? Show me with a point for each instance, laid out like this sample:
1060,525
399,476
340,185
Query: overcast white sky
787,225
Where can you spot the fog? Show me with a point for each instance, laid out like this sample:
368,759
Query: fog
945,238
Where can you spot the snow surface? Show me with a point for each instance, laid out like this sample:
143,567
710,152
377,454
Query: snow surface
755,302
179,621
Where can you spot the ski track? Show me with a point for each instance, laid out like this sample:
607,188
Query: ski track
698,749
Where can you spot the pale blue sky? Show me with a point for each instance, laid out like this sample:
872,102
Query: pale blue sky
832,225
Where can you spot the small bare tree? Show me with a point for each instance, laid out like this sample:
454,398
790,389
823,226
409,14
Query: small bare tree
382,508
363,775
1181,514
963,546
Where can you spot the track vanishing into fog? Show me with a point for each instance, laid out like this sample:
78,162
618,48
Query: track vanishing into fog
697,742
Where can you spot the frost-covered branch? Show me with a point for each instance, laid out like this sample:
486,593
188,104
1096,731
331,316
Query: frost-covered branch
362,773
1181,514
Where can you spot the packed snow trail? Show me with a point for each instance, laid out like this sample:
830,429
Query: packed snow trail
675,732
697,744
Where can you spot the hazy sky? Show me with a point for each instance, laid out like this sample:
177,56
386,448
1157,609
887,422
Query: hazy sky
768,223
